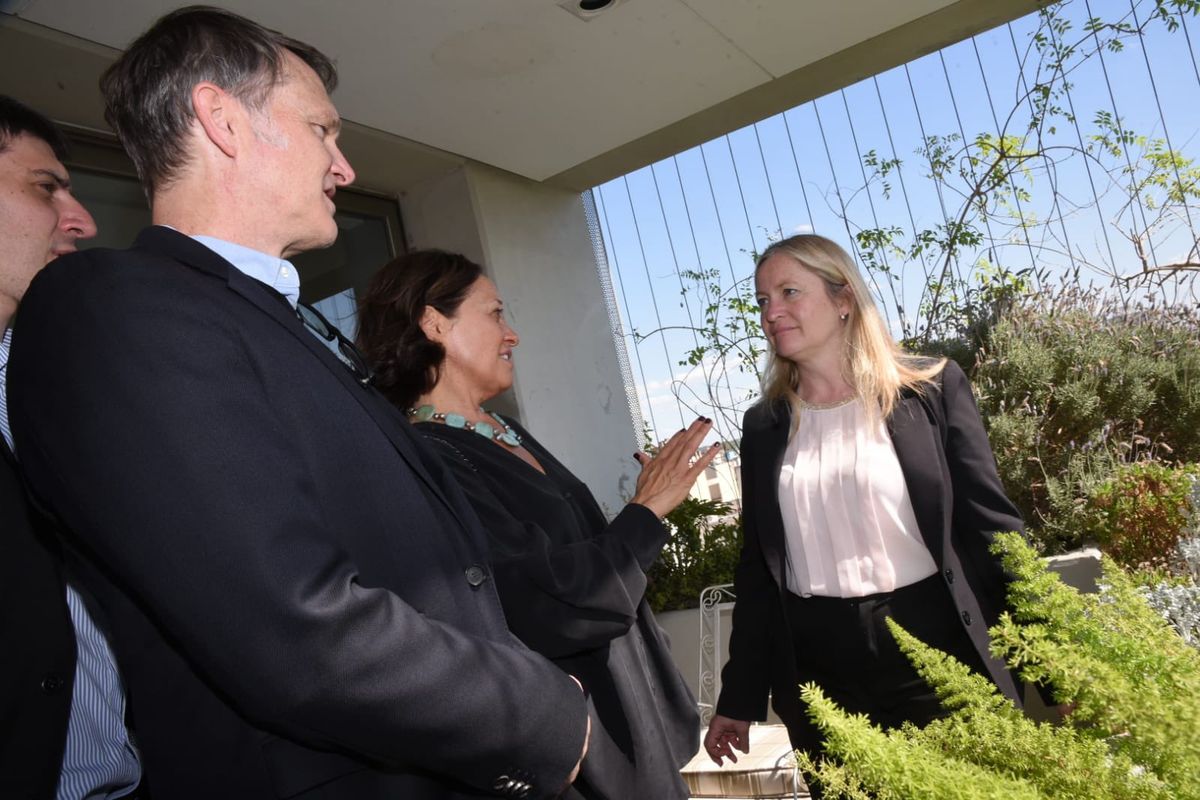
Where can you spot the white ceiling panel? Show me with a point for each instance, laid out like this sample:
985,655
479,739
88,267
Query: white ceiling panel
784,37
525,85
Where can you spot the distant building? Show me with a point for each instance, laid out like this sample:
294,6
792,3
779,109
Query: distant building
722,481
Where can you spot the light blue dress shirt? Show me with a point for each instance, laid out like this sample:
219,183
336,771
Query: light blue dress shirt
278,273
100,760
275,272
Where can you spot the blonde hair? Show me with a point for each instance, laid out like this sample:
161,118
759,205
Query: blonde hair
875,365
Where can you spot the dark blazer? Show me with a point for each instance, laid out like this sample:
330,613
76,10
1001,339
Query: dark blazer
37,647
959,504
293,584
572,585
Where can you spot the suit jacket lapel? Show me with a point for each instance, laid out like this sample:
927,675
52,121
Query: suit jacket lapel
915,438
185,249
771,443
7,454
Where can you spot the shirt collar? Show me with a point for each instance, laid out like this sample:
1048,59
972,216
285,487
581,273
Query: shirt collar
277,273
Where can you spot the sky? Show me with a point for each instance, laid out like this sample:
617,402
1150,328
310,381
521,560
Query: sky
714,206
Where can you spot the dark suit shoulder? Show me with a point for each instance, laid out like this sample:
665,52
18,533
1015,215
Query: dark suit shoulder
112,285
765,414
953,378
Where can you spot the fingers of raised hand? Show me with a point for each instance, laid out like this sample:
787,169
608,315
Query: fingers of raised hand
678,451
704,459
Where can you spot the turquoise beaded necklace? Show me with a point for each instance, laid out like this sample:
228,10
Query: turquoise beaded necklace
485,429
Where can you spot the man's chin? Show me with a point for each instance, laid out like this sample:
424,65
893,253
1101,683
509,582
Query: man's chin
315,242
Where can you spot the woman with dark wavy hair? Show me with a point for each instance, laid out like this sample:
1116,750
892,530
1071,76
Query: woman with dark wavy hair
571,582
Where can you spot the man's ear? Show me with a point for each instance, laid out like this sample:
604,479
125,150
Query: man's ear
433,324
217,111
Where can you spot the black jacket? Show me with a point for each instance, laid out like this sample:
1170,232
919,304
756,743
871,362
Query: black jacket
572,586
288,572
37,646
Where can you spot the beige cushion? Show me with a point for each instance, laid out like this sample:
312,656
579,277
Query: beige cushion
768,770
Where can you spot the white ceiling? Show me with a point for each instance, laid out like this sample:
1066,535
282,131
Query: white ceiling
526,86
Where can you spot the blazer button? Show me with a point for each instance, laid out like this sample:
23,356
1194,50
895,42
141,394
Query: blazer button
476,575
949,576
966,617
51,684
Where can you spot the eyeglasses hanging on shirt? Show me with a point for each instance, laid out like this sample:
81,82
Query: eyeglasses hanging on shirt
346,352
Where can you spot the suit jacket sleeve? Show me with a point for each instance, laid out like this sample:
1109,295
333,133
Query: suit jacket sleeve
167,458
562,597
981,507
746,677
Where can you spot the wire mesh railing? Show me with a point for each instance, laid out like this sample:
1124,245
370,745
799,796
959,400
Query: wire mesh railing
1056,147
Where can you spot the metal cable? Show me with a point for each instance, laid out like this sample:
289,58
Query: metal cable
863,171
837,188
767,173
662,336
737,177
1133,194
625,300
682,289
1052,175
987,89
1162,118
1112,259
800,178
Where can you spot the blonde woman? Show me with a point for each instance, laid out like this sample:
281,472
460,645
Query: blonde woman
870,491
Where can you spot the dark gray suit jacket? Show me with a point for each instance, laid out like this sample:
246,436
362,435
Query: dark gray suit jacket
290,577
959,504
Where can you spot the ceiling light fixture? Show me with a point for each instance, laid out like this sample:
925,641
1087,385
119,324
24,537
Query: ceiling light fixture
588,10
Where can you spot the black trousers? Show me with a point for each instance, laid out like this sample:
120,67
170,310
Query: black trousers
844,646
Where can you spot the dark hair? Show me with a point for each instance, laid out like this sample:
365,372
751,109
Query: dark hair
147,92
406,363
18,119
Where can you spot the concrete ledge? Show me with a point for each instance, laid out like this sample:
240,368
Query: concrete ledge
1080,569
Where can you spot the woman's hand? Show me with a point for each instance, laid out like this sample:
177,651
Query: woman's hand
667,477
723,735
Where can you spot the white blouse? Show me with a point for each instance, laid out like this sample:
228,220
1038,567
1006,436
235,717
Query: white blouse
849,524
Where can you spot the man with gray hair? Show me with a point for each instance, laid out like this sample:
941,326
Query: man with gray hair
299,595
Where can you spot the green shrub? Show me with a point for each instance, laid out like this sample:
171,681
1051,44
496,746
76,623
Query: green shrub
1133,682
1176,594
1177,599
1140,514
1073,386
702,551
